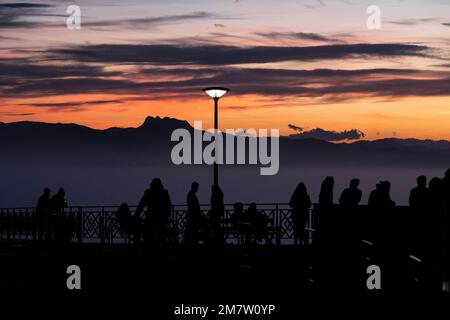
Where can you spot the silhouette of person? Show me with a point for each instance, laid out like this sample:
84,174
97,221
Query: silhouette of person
385,226
258,222
127,222
240,221
351,197
326,216
216,214
58,201
349,220
43,209
446,223
419,196
61,224
419,202
326,192
194,216
159,207
434,232
238,213
300,203
380,198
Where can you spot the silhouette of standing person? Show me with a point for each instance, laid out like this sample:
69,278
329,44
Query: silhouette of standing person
349,201
42,213
300,203
328,248
386,228
446,225
216,214
419,202
350,223
434,234
419,196
60,222
159,207
326,206
194,216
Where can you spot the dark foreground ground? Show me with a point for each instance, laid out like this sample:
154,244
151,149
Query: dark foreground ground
282,276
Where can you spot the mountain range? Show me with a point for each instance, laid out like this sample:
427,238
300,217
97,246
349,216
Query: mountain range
47,143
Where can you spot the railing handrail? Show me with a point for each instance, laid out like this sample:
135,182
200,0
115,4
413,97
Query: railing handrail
178,205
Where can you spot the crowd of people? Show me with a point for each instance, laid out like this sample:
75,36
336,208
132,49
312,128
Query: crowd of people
421,229
52,223
150,221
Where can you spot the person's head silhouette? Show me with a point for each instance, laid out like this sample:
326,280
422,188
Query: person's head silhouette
422,181
435,184
386,186
447,175
238,207
301,188
194,186
354,183
61,192
156,184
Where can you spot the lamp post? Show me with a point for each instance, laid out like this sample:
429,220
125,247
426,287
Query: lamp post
216,93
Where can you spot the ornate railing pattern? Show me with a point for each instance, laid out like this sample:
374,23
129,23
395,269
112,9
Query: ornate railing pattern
98,223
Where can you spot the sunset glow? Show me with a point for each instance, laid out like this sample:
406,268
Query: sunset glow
314,64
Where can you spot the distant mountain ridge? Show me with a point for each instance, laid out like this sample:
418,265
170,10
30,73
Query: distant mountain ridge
46,143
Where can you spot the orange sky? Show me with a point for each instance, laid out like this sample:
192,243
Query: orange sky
395,91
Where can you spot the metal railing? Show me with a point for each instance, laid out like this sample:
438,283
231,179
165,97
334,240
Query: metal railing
98,223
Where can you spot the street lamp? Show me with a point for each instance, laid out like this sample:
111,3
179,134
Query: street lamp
216,93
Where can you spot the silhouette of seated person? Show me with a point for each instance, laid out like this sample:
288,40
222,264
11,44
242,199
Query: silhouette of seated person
157,216
380,198
351,196
383,221
240,221
42,213
195,220
258,222
300,203
127,223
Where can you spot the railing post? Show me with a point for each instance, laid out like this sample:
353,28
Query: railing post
8,226
80,222
277,217
102,226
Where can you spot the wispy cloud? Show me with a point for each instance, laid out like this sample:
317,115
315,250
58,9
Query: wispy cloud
327,135
23,14
413,21
153,21
298,36
225,55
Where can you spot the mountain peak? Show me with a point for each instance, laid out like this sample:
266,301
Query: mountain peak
166,122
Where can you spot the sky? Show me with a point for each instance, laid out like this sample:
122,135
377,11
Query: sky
289,64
